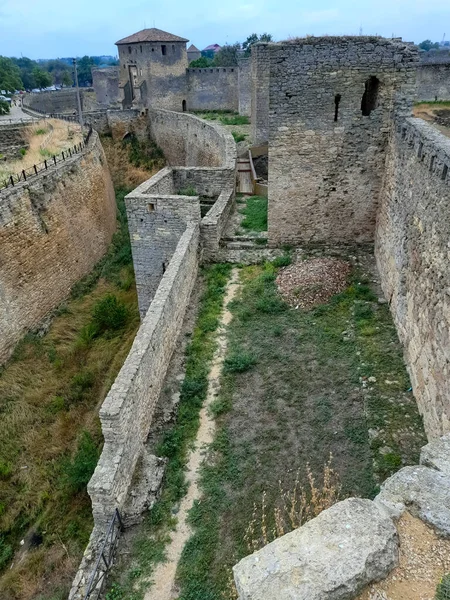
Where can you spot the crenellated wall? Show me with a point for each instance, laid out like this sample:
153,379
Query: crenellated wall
412,252
214,88
53,229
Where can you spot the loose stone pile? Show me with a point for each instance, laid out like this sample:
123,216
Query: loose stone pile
308,283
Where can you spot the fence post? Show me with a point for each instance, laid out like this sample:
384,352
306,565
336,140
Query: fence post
54,158
35,169
12,180
45,163
24,175
63,155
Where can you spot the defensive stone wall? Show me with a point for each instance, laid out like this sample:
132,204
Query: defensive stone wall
105,82
412,252
245,87
214,88
433,81
331,104
213,225
59,101
127,411
260,78
53,229
157,217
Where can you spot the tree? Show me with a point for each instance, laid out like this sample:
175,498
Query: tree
84,66
227,55
428,45
10,79
200,63
42,78
67,79
254,39
4,107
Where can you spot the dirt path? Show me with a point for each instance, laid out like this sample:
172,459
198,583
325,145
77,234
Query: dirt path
164,574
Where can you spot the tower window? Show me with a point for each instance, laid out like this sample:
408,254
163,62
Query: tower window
369,100
163,49
173,49
337,99
140,48
129,49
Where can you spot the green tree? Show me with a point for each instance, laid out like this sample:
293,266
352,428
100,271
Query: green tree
428,45
66,79
42,78
26,66
200,63
84,66
227,55
253,39
10,79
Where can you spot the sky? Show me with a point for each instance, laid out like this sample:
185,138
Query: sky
51,29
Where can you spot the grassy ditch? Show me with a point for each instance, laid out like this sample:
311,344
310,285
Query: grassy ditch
295,388
255,214
130,580
50,393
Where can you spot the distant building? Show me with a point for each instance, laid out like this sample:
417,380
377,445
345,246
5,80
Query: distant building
212,47
193,53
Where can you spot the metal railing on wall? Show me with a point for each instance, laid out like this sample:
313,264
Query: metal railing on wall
30,172
105,558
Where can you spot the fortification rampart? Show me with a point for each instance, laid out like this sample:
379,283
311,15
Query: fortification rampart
260,77
433,81
105,82
331,105
214,88
245,87
53,229
412,234
60,101
12,139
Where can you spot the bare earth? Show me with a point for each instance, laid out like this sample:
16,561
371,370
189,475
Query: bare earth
424,559
164,574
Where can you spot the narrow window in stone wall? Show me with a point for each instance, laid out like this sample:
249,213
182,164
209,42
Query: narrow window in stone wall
420,151
140,48
184,105
337,99
369,100
163,49
129,49
432,159
444,173
173,49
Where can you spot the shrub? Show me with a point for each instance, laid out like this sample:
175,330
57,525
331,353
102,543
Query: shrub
78,470
109,313
235,120
443,588
80,383
40,131
4,107
189,191
23,151
5,552
238,362
282,261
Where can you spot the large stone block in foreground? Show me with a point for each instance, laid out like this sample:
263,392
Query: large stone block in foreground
332,557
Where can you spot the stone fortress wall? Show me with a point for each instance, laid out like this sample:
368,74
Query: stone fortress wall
58,101
105,82
53,229
433,75
12,139
327,150
412,252
214,88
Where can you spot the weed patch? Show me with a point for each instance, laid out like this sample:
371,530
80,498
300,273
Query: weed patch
235,120
255,213
238,137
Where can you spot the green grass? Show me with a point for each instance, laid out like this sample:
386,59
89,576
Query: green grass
255,213
296,398
130,581
238,137
188,191
235,120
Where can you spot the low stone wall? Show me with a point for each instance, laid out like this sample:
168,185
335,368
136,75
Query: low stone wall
213,225
412,252
214,88
127,411
53,229
12,140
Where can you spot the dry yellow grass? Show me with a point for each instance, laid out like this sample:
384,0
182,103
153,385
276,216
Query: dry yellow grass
123,173
45,138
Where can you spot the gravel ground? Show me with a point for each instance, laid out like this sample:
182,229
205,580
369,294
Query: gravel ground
308,283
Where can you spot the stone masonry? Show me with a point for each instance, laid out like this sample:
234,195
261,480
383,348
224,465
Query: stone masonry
412,252
330,113
53,229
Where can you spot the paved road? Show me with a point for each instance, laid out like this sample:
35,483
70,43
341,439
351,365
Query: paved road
16,114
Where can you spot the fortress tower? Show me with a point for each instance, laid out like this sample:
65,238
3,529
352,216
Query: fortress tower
152,70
